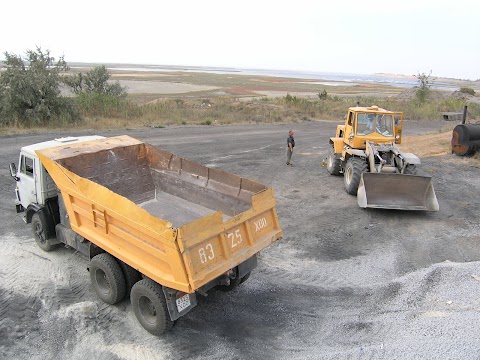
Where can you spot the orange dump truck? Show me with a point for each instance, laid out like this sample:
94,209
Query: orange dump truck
154,225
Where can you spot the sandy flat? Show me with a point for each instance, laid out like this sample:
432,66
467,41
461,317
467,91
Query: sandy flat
162,87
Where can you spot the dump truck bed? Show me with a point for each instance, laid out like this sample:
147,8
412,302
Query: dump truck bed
176,221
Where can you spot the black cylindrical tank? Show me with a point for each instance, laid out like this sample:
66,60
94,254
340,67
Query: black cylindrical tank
465,139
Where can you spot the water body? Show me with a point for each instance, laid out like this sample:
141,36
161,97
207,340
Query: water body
334,78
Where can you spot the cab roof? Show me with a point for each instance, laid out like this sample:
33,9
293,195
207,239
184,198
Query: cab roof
30,149
372,108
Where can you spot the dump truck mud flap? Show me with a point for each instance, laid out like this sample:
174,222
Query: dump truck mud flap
396,191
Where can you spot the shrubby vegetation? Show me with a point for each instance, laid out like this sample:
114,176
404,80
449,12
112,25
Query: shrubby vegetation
424,84
30,96
95,82
466,90
30,91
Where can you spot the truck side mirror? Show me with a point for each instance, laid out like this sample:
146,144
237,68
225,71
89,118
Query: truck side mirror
13,171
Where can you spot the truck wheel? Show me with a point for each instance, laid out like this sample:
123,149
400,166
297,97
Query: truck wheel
352,174
333,164
131,276
233,283
107,278
410,169
245,278
39,227
150,307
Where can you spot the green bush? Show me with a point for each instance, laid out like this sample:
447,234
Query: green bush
30,91
323,95
101,105
466,90
94,81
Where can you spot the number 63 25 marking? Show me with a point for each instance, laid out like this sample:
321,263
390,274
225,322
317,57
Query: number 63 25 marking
206,253
235,238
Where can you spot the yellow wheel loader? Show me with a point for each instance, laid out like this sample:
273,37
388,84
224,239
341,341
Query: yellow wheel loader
365,151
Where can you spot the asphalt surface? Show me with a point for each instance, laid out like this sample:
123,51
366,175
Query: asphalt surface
344,282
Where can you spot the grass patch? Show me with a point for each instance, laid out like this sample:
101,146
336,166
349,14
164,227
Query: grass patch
104,112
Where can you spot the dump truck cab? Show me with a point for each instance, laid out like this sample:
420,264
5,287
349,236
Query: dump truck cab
367,143
35,187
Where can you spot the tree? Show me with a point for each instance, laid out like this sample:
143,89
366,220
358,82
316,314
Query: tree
424,84
95,81
30,90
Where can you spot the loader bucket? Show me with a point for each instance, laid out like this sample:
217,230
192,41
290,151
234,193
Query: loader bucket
396,191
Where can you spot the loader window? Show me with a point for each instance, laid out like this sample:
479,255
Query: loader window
379,123
365,123
350,118
26,166
384,124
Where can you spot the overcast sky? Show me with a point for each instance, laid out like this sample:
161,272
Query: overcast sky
370,36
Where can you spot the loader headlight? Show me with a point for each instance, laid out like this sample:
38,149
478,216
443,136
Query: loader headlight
397,137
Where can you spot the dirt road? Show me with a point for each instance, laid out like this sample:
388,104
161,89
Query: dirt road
344,282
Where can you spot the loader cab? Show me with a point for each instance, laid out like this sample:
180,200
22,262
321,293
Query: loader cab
374,124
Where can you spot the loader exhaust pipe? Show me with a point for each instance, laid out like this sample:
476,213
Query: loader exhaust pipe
396,191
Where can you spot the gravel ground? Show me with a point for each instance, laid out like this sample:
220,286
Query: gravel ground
344,282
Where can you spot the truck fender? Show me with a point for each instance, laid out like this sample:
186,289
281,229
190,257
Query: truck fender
337,144
44,215
411,158
171,296
355,152
245,267
32,209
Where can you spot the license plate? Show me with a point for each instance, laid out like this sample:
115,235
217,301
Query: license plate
183,302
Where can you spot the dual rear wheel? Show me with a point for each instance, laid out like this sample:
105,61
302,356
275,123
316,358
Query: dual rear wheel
113,280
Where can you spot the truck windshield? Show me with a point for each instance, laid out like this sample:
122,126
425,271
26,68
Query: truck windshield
370,123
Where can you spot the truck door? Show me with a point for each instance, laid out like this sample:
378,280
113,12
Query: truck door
26,183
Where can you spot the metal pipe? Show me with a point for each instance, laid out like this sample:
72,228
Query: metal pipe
464,116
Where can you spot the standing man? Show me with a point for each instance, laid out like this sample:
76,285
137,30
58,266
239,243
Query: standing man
290,146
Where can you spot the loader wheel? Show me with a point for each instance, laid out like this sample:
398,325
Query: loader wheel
410,170
107,278
333,164
131,275
352,174
150,307
39,227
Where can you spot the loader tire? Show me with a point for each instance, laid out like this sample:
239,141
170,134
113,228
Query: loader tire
150,307
410,170
333,164
39,227
352,174
107,278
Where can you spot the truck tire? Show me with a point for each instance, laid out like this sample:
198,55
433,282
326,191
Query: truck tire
410,169
233,283
131,276
352,174
333,164
245,278
107,278
150,307
40,231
